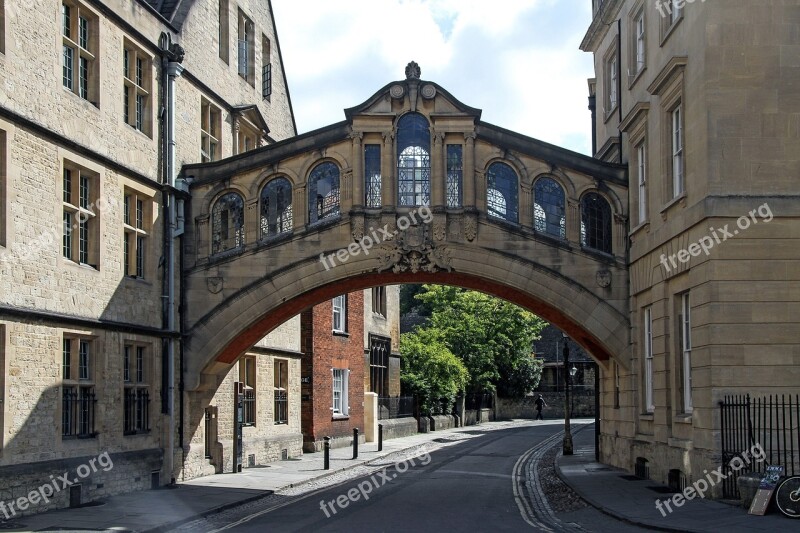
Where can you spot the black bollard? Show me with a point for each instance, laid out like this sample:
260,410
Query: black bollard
380,437
355,443
327,453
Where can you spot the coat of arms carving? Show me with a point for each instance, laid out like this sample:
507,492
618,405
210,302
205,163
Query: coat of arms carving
413,250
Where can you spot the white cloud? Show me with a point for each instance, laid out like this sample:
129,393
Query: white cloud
517,60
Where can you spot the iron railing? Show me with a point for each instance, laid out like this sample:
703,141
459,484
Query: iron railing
77,415
396,407
772,422
249,408
281,407
136,417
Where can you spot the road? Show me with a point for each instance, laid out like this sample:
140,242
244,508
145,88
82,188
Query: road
487,483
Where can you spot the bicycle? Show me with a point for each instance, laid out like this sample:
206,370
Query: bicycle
787,497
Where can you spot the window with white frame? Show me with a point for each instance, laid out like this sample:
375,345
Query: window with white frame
340,314
246,48
677,151
136,379
210,128
341,378
247,375
281,388
648,360
137,68
641,170
137,216
77,387
79,50
611,81
639,50
685,320
80,217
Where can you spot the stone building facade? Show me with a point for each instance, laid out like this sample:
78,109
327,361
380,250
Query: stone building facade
699,100
86,175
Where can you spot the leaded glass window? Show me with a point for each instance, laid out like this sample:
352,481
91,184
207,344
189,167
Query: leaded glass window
227,223
501,193
372,175
548,209
276,208
455,172
596,222
323,192
413,160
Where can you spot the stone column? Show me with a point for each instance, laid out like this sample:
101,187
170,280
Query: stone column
437,171
299,206
235,141
526,206
619,234
358,172
469,170
388,183
573,221
252,221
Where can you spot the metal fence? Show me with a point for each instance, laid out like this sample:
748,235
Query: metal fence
396,407
773,422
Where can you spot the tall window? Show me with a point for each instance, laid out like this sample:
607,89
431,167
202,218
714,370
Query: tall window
455,173
616,385
379,351
548,209
341,404
281,386
379,300
323,192
372,175
137,213
210,128
612,81
136,377
677,151
676,11
137,75
276,208
77,389
639,42
685,320
413,160
641,170
266,68
247,375
246,47
595,223
224,24
227,223
81,224
340,314
648,360
79,50
502,192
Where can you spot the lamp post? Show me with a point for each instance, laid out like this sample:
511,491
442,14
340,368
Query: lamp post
566,448
572,372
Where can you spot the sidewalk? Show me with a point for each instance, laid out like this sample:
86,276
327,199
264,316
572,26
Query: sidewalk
633,501
164,509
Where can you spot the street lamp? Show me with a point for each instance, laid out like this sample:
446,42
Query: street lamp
572,372
566,448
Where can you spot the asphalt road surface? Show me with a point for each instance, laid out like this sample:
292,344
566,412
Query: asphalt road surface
476,485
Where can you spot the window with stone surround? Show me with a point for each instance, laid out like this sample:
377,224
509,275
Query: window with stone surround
77,388
677,144
671,13
137,225
413,160
502,192
596,223
379,300
246,48
266,68
3,186
341,385
647,355
281,389
323,192
79,50
137,68
339,305
611,81
136,376
685,336
247,375
549,214
276,208
372,175
224,25
454,179
247,136
638,41
227,223
81,216
641,175
210,131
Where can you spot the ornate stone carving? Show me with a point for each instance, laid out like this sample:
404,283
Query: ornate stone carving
428,91
397,91
215,284
470,228
603,278
440,228
357,227
413,72
413,250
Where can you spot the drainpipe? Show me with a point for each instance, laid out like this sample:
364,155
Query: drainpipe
593,109
173,56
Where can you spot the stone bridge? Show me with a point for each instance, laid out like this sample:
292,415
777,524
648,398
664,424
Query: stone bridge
411,187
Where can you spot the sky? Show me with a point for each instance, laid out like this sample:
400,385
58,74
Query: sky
517,60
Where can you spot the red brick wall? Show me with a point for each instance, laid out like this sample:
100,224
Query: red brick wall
323,350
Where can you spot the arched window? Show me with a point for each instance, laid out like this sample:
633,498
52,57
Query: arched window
596,222
227,223
501,192
276,208
548,208
323,192
413,160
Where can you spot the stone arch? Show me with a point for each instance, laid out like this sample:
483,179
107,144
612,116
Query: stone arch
520,191
220,189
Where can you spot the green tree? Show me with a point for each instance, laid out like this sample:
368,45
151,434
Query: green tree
430,371
493,337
